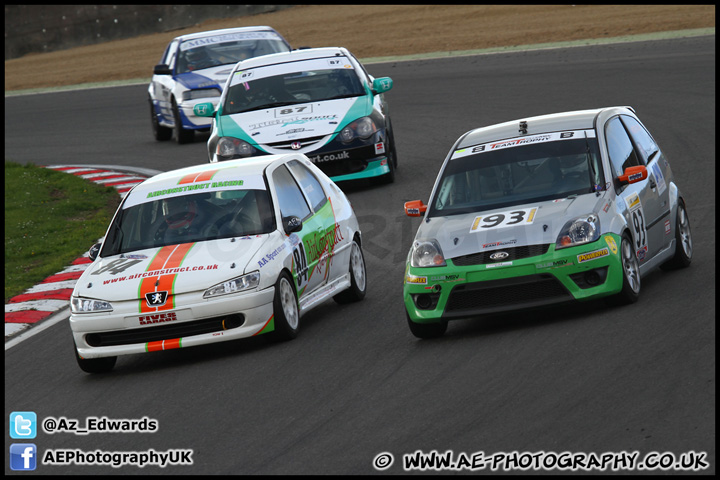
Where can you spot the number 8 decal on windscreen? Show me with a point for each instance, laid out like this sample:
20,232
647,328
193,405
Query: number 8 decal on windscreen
503,219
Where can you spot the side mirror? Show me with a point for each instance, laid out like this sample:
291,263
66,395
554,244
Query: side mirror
633,175
94,251
292,224
382,85
415,208
204,109
162,69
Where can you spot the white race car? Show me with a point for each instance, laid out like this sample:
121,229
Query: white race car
213,253
194,68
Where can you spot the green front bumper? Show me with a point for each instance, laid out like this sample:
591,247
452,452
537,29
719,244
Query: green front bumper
576,273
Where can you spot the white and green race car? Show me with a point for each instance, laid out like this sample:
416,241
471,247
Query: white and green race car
318,101
543,210
213,253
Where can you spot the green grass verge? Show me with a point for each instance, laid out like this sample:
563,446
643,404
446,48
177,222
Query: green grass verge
51,218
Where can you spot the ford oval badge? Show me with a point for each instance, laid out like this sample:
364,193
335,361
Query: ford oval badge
499,256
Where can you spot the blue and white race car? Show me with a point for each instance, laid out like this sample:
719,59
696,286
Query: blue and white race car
318,101
194,68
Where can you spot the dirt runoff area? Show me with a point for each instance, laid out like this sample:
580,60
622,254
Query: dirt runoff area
370,31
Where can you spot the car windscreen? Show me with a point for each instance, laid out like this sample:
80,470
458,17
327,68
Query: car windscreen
228,48
190,218
518,171
257,92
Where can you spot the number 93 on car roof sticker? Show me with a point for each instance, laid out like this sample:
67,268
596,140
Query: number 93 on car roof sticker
503,219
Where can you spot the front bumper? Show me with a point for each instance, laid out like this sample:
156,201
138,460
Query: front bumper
469,286
189,120
196,321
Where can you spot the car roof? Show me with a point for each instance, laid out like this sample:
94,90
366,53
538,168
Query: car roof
555,122
292,56
208,33
250,170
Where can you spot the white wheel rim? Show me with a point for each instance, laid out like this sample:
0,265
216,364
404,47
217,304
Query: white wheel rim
289,305
630,266
684,231
357,266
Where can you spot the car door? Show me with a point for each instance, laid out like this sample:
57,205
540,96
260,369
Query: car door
163,84
292,202
658,210
328,243
641,202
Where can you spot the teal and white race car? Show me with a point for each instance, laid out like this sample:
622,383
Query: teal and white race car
319,101
543,210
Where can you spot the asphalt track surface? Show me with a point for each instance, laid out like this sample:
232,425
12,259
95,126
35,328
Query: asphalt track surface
355,383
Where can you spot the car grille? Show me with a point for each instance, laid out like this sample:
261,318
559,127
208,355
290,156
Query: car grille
499,295
304,142
514,253
162,332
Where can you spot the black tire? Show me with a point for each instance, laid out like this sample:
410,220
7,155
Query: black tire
358,277
631,274
95,365
427,330
391,160
182,135
160,133
683,241
285,309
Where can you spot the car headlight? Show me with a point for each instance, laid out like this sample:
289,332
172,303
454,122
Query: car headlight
203,93
229,148
88,305
581,230
239,284
361,128
427,253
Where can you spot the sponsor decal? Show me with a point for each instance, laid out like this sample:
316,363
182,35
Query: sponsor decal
520,141
415,280
379,148
165,271
641,253
611,243
227,37
667,227
503,219
157,318
330,157
284,122
659,178
554,264
633,201
501,264
499,244
446,278
586,257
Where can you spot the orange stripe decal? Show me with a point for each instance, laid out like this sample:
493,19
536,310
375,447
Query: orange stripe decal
167,257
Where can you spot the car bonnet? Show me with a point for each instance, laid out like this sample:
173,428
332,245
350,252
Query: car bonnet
312,119
464,234
213,77
173,269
